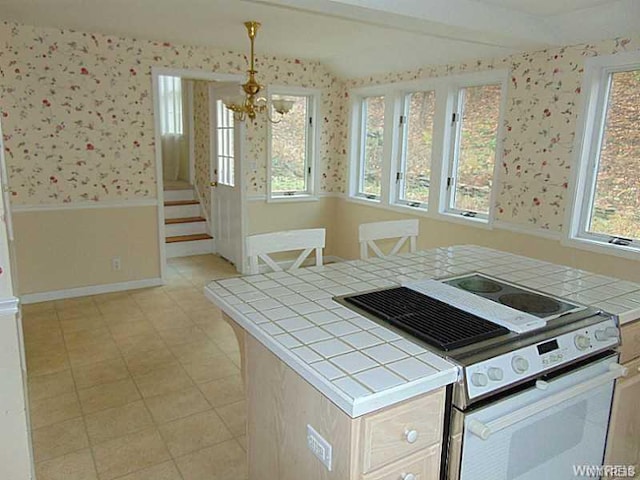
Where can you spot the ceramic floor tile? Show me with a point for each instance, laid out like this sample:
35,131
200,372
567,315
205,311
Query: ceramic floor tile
234,416
88,354
181,336
172,406
108,395
212,369
59,439
47,411
51,385
116,422
107,371
201,351
130,329
140,363
82,323
224,391
171,378
243,442
73,466
129,454
46,363
163,471
140,343
169,318
194,433
225,461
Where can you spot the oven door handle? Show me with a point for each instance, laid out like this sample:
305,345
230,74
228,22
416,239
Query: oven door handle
484,430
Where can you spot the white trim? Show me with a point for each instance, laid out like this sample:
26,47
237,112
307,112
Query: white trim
526,230
133,203
192,136
9,306
90,290
312,147
260,197
602,248
588,140
182,73
203,210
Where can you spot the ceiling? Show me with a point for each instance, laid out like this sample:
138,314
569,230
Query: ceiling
354,38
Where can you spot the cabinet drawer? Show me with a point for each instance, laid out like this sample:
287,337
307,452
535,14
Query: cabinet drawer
402,430
630,341
423,465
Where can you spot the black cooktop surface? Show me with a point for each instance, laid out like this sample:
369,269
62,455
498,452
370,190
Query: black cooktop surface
436,323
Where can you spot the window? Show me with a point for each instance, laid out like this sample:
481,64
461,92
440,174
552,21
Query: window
607,197
473,154
224,144
371,151
413,177
170,89
429,146
292,147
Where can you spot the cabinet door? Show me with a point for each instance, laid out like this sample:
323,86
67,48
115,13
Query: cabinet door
623,447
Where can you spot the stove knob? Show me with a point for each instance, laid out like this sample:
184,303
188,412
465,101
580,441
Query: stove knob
582,342
479,380
495,373
607,333
519,364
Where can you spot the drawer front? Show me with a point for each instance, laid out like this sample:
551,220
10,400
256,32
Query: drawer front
630,341
423,465
402,430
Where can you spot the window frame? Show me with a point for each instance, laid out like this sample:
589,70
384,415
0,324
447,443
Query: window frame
400,165
450,161
312,144
589,135
357,141
444,88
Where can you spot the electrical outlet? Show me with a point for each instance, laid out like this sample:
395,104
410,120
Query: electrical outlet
116,264
319,446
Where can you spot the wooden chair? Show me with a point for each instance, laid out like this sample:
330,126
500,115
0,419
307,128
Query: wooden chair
402,229
260,246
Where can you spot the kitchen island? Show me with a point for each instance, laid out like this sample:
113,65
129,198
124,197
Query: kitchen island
375,395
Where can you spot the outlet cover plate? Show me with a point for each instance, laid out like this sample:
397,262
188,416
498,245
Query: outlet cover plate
319,446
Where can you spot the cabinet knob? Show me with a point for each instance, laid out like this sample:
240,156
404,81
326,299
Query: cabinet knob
411,435
408,476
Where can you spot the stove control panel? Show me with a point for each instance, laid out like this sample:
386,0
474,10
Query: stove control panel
533,360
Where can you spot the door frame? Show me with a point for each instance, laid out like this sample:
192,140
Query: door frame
190,74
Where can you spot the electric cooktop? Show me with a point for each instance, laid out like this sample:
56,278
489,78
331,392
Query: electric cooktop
514,296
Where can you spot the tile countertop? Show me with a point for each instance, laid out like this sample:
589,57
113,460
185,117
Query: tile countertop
361,366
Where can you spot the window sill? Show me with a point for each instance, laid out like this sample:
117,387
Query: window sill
292,198
480,222
364,200
597,246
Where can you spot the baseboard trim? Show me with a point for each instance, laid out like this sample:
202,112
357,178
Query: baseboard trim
89,290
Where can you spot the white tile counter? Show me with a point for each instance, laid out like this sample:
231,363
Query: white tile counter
356,363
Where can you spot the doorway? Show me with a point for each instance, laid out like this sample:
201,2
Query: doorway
195,216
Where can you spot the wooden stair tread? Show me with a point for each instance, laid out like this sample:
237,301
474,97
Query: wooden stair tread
188,238
176,203
173,221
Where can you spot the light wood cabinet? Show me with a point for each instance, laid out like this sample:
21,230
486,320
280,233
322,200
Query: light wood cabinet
623,446
401,431
424,465
280,405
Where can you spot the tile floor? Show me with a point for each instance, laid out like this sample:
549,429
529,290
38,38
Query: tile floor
138,385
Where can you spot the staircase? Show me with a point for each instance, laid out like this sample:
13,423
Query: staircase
184,226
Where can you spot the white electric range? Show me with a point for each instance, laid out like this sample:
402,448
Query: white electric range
534,397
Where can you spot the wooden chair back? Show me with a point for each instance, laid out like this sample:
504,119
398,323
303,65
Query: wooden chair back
260,246
402,229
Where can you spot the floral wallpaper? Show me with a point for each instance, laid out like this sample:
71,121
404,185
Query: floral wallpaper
202,144
543,99
77,112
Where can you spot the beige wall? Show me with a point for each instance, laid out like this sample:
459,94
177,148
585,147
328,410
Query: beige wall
263,217
437,233
62,249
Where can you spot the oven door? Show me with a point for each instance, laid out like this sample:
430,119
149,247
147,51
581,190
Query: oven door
542,432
